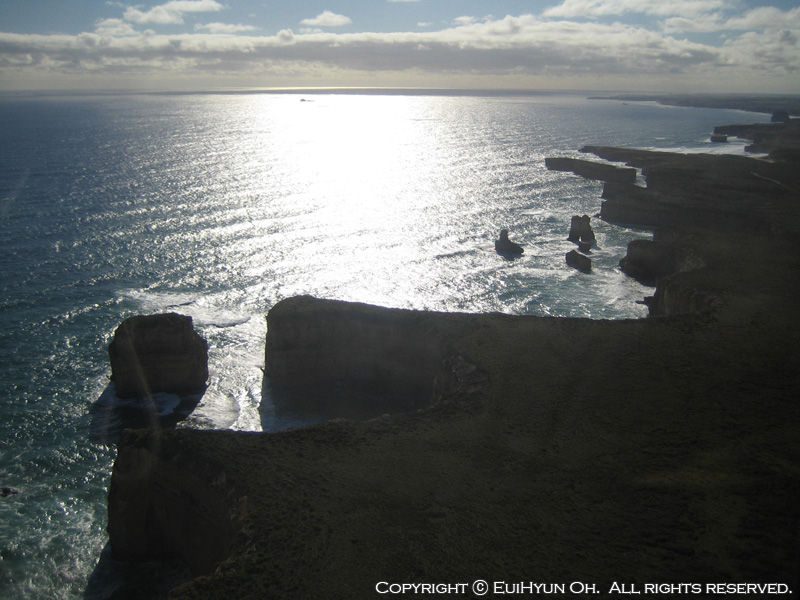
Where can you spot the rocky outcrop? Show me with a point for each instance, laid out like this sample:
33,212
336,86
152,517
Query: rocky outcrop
779,139
157,353
674,297
591,170
165,504
580,230
780,116
356,359
579,261
503,245
718,192
633,205
647,260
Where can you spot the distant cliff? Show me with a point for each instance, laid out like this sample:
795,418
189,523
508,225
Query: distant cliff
763,103
591,169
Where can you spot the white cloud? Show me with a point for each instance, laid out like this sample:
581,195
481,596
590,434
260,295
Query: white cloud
286,36
193,5
773,52
515,47
114,28
170,13
507,44
327,19
224,28
766,17
158,16
663,8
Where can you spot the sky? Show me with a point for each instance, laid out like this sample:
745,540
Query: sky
700,46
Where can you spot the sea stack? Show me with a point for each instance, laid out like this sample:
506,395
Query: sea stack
576,260
580,230
158,353
505,246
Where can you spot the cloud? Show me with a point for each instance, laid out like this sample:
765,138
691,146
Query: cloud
764,18
115,28
224,28
773,52
170,13
286,36
515,47
327,19
604,8
513,43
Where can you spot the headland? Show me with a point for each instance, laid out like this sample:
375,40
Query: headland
518,449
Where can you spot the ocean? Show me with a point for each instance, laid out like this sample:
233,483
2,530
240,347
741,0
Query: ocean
219,205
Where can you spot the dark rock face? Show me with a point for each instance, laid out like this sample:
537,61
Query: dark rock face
686,190
647,260
580,229
674,297
780,139
162,504
356,360
633,205
780,116
505,246
576,260
591,170
157,353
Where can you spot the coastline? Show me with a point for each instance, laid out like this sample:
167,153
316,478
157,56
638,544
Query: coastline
591,451
766,103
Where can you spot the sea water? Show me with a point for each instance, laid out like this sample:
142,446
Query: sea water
219,205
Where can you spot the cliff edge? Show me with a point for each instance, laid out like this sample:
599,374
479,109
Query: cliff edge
662,450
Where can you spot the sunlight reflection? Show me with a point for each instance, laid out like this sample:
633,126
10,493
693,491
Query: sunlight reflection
369,172
391,200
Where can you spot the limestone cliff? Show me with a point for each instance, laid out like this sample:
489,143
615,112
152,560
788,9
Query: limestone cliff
715,192
649,453
157,353
364,359
531,449
165,502
591,170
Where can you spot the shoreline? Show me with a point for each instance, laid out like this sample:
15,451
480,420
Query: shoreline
764,103
547,449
